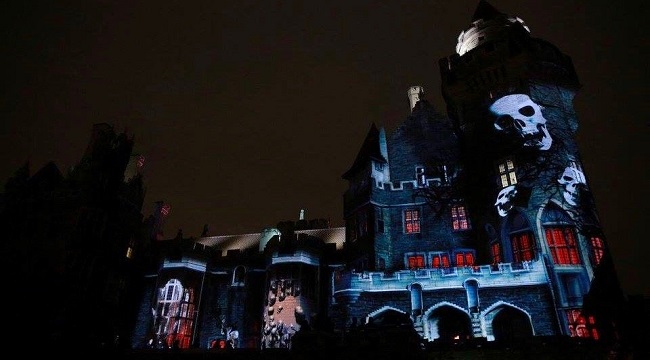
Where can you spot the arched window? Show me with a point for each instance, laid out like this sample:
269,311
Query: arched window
239,276
522,240
560,237
174,315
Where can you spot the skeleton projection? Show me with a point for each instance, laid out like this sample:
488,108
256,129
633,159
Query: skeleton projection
571,179
505,200
519,116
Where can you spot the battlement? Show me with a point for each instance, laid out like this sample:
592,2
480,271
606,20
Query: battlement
406,184
504,275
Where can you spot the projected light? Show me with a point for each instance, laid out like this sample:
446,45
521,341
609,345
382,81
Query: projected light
518,116
505,200
572,178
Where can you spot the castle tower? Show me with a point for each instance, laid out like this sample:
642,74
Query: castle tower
510,98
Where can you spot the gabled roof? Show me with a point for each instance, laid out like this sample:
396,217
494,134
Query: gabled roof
370,150
485,11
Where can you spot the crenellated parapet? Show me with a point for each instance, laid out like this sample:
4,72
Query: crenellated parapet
349,285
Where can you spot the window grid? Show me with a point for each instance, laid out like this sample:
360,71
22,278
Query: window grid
562,244
412,221
507,173
523,247
459,218
597,249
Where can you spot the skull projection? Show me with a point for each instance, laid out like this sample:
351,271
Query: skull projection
520,116
571,179
505,200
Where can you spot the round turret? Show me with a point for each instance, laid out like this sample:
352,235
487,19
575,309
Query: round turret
488,24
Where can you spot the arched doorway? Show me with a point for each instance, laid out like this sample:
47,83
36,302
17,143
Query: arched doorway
448,324
510,324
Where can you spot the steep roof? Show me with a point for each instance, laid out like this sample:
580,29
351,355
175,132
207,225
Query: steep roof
424,136
370,150
485,11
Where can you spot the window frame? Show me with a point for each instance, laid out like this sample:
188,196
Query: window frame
459,217
507,173
443,260
409,219
518,250
566,253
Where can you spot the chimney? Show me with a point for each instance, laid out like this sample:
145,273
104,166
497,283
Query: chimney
415,94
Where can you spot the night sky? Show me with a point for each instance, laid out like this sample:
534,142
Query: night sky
248,111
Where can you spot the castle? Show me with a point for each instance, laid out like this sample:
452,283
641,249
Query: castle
478,224
474,224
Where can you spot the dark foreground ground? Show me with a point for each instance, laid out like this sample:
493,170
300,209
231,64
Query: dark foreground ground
538,349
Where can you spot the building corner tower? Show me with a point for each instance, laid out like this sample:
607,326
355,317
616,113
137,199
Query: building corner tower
510,97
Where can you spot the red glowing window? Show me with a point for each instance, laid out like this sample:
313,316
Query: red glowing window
416,261
562,245
459,218
464,259
523,246
412,221
440,260
597,249
581,327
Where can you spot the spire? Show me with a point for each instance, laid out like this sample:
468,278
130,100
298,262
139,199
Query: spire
485,11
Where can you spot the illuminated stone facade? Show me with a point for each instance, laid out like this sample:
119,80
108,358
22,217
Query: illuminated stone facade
477,224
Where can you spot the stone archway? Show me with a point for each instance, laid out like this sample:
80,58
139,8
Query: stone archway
447,323
508,323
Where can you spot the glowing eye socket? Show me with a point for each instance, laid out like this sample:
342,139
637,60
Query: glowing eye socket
527,111
504,121
567,178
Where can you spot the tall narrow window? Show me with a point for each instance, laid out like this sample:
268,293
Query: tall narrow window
174,315
562,245
380,220
362,223
459,218
597,249
353,228
495,249
416,261
523,246
411,221
507,173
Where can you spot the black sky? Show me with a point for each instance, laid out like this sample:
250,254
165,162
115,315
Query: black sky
248,111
